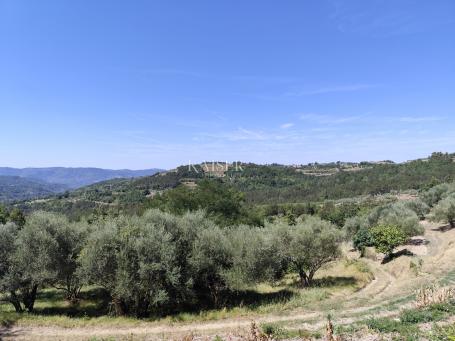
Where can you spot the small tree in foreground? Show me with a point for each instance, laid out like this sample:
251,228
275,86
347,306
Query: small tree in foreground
387,237
445,211
311,244
8,284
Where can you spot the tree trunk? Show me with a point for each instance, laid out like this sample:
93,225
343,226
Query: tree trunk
304,280
30,297
214,292
119,306
452,223
15,302
310,278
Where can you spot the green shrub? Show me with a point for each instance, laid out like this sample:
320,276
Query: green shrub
386,325
445,211
415,316
362,239
387,237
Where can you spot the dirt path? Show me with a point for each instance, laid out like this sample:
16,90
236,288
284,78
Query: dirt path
392,280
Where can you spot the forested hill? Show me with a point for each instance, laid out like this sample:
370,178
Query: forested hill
14,188
263,184
74,177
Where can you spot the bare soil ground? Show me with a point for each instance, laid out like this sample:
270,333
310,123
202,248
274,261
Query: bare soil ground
392,290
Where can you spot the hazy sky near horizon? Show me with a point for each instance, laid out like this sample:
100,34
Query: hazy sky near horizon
141,84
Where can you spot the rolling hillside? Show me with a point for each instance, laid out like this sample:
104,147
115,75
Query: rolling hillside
14,188
265,184
74,177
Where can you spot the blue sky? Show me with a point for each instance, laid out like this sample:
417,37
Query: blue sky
139,84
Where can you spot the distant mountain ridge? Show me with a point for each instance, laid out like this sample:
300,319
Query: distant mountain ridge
15,188
74,177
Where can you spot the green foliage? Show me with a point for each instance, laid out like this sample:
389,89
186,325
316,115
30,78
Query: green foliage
353,226
445,210
223,203
437,193
276,183
274,331
157,262
418,206
15,188
407,324
396,214
388,325
211,259
3,214
43,252
362,239
137,261
409,318
8,234
261,184
16,216
435,312
387,237
308,245
338,214
55,251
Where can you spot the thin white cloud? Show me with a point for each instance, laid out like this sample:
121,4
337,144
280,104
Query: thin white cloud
385,21
240,134
331,89
174,72
328,119
418,119
286,125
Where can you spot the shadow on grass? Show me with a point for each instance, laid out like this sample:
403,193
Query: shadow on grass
92,303
389,258
7,332
330,281
95,302
417,241
443,228
7,321
249,299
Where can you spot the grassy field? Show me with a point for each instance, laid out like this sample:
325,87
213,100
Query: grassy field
51,308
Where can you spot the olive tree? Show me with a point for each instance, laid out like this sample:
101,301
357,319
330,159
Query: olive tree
353,225
48,248
8,281
445,211
145,263
418,206
309,245
45,253
437,193
211,260
133,262
270,257
396,214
